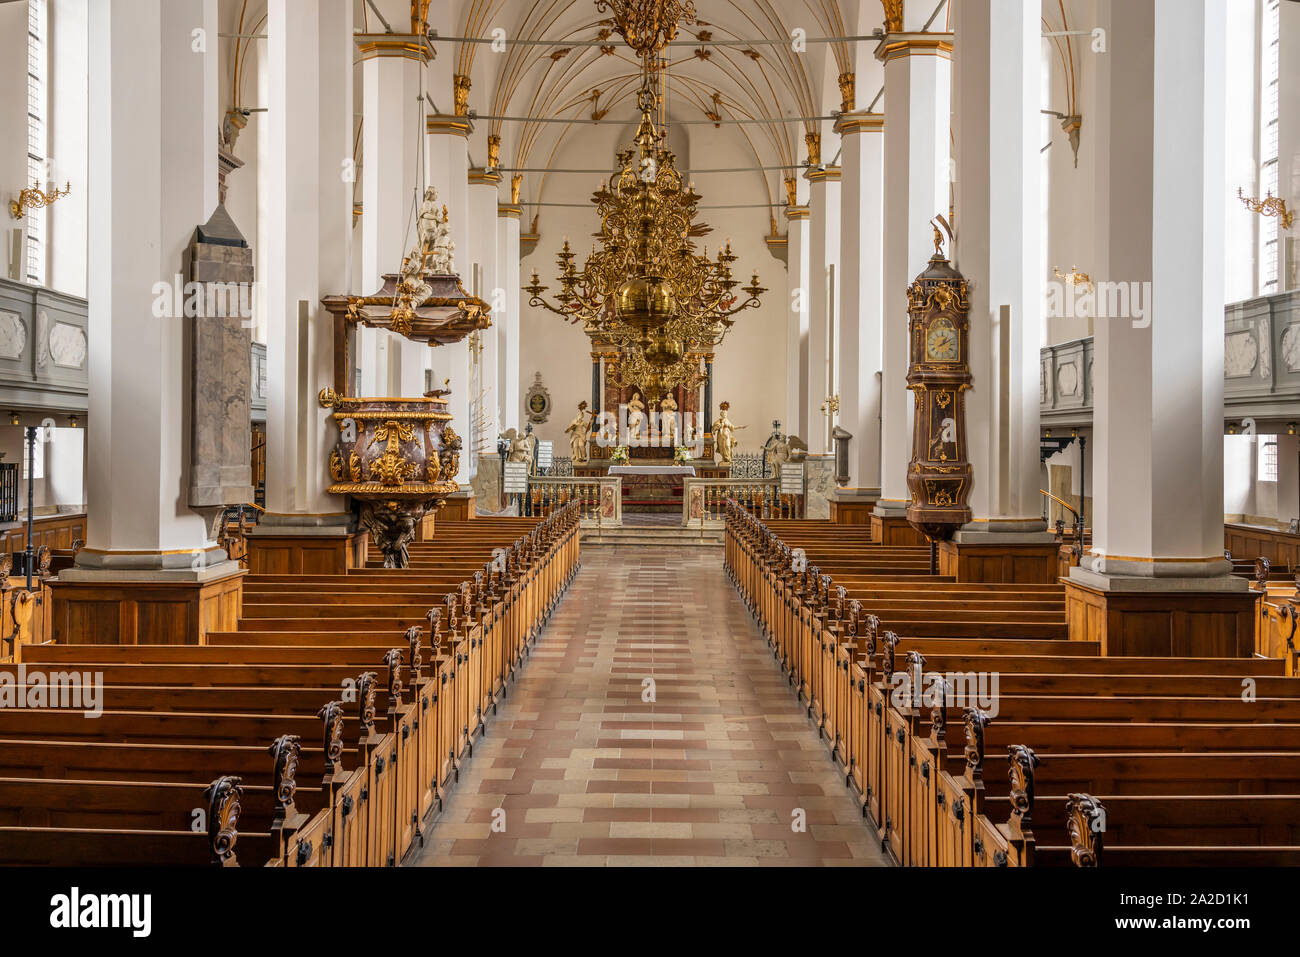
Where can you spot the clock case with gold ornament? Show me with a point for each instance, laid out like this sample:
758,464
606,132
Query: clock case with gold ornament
939,475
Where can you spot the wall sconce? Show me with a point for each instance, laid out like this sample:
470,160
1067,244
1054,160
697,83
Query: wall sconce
1270,205
15,418
1290,428
1074,277
1232,430
1047,433
72,421
34,198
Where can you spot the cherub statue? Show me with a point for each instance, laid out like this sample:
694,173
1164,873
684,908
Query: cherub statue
787,449
436,246
579,432
519,449
412,282
635,415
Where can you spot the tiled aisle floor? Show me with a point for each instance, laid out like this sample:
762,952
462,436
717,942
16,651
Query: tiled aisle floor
577,770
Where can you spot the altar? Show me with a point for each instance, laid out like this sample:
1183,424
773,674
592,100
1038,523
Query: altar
652,488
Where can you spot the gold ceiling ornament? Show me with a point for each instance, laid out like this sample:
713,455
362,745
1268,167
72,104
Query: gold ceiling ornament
848,92
33,197
791,191
647,290
814,142
460,88
1270,205
494,150
893,15
647,26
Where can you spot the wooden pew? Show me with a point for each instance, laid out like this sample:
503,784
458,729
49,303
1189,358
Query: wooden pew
186,710
1147,732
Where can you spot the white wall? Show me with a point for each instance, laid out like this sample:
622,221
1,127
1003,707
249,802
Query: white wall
1245,495
62,479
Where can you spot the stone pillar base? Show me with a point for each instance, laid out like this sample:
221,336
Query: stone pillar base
889,525
1162,617
306,545
853,506
114,606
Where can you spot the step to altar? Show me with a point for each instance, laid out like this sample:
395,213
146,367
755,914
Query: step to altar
660,535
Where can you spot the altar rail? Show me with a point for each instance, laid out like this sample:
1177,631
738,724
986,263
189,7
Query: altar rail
599,498
704,500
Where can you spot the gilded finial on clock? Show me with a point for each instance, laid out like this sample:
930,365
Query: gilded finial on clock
938,240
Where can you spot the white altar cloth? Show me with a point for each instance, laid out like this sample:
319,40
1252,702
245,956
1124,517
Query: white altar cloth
652,470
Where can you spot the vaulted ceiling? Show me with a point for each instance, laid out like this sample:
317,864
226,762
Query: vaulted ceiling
739,61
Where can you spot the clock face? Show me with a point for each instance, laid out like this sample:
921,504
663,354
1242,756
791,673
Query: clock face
941,342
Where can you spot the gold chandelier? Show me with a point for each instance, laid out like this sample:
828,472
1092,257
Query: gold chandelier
647,290
647,26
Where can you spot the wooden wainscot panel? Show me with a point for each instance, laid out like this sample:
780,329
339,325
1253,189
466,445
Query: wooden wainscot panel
1164,624
851,512
1034,564
143,613
306,555
57,531
894,530
426,527
458,509
1251,541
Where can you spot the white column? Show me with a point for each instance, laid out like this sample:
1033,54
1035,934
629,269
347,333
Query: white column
1159,362
823,262
508,218
861,293
448,170
309,238
152,134
918,75
997,85
390,133
483,253
796,408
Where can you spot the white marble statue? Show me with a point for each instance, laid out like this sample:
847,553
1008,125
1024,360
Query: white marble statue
668,420
635,416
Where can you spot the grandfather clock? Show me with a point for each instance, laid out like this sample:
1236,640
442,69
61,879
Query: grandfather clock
939,475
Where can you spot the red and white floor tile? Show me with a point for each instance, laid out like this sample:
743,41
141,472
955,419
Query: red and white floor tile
577,769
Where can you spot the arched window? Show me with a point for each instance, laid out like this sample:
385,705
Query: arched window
37,62
1270,239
